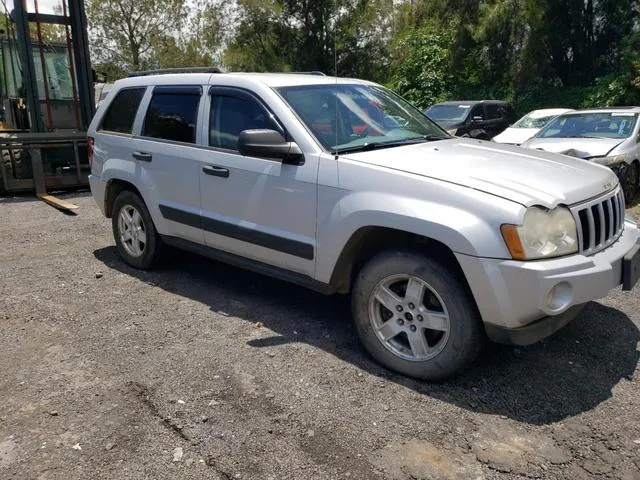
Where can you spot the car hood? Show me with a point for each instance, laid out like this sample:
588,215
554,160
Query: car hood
528,177
516,135
576,147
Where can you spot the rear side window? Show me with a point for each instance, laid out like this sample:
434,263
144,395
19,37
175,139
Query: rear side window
493,112
122,111
172,116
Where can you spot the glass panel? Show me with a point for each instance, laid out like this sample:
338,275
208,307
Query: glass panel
350,117
172,117
122,111
591,125
230,116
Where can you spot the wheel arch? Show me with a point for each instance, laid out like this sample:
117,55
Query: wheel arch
369,241
114,187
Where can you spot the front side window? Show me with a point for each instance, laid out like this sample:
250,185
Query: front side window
172,116
122,111
351,117
231,115
591,125
478,111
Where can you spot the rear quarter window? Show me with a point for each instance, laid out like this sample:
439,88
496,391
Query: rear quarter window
122,111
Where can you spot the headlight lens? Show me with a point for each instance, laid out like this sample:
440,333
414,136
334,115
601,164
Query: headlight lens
453,131
609,160
543,234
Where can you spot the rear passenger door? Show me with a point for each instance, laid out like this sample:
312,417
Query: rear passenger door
258,208
167,159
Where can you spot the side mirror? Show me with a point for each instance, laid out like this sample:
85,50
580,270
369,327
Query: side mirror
476,119
269,144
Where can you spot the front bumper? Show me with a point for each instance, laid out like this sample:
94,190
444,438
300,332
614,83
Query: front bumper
513,294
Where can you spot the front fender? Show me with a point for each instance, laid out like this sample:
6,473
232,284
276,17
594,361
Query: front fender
459,229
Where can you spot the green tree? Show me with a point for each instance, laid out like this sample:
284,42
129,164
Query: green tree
283,35
422,72
262,39
124,32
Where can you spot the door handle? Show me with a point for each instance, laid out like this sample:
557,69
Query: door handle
142,156
216,171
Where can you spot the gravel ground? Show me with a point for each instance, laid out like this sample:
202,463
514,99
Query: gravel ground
200,370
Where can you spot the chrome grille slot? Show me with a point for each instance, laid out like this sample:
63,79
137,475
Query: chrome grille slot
600,221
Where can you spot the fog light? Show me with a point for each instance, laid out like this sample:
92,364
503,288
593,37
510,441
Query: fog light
559,297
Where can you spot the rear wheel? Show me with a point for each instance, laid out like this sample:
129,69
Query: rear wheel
415,316
136,237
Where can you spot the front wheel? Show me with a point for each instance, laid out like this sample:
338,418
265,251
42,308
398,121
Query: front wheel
136,238
415,316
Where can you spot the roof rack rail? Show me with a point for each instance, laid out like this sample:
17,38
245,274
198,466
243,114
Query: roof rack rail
167,71
314,72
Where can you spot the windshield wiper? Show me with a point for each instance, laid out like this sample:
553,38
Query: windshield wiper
396,143
580,136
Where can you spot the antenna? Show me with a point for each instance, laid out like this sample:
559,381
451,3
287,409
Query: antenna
335,73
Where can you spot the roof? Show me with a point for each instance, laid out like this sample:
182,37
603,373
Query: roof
269,79
471,102
630,109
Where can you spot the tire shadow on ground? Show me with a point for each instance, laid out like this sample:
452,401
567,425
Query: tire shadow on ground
567,374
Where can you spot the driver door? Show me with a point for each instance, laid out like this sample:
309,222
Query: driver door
257,208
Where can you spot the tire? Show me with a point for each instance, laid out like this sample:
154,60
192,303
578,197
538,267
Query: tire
447,349
141,247
629,179
18,167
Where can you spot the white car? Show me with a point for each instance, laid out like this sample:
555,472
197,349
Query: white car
608,136
341,186
529,125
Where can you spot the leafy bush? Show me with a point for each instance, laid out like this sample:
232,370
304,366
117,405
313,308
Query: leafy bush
421,72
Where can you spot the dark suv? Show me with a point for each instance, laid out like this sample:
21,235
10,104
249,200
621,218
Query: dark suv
483,119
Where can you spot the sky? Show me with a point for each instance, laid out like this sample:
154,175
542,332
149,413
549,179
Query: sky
44,6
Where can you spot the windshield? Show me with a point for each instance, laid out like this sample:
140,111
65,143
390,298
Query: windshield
358,117
448,113
591,125
530,122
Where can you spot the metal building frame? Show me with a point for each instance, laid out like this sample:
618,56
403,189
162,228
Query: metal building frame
38,138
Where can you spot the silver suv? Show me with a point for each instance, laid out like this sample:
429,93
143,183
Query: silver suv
342,186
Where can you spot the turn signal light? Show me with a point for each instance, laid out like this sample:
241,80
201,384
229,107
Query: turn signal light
512,239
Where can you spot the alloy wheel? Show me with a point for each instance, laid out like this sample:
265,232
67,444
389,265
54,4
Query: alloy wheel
409,317
132,231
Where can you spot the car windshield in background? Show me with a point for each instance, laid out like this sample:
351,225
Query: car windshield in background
531,122
448,113
359,117
591,125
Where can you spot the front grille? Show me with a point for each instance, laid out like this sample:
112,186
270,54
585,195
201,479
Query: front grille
600,222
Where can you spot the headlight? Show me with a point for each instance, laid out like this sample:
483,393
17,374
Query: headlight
609,160
543,234
453,131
